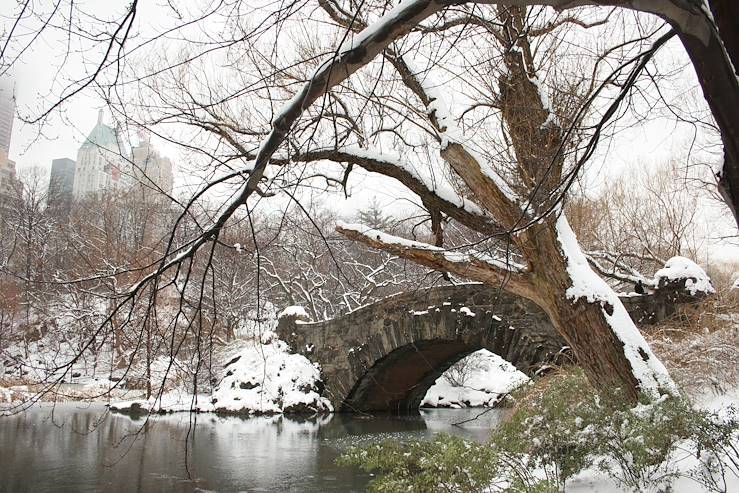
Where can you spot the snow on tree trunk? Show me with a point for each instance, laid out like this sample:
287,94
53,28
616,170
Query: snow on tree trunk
600,331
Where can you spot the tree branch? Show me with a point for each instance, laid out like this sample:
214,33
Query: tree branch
473,265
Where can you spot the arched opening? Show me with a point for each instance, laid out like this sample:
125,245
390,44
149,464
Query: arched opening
399,381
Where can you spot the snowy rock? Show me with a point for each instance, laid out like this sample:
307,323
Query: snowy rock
257,379
267,379
486,385
295,311
683,269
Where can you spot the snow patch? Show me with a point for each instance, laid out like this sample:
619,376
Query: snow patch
296,311
258,379
466,311
268,379
681,268
485,386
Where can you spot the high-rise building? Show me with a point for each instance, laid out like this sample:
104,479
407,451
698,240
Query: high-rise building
152,172
9,184
102,162
7,113
61,183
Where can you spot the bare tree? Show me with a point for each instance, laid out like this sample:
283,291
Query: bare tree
519,203
503,166
638,222
709,38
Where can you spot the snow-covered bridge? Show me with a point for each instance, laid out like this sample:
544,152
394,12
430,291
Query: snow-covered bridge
385,356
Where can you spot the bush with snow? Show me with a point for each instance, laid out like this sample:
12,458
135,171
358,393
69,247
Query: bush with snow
560,428
268,379
681,269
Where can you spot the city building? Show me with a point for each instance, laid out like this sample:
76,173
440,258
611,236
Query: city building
9,184
102,162
152,172
7,113
61,183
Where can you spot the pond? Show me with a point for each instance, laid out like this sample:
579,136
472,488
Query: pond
81,448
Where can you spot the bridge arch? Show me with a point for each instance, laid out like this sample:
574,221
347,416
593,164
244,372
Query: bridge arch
384,357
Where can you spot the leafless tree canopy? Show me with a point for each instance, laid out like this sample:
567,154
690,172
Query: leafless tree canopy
486,113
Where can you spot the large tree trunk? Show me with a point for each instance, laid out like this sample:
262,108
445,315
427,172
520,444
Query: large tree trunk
590,316
726,13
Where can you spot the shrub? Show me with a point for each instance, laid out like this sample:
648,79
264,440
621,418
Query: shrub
560,427
551,426
445,463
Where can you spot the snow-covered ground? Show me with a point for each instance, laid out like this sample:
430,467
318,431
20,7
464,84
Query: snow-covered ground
592,480
487,383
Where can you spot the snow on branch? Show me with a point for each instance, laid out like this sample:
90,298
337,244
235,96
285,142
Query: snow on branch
442,189
439,195
438,108
475,265
619,271
348,59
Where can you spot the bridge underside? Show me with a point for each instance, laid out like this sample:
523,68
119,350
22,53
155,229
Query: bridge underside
399,381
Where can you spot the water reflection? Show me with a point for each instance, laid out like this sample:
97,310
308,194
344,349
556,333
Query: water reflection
84,448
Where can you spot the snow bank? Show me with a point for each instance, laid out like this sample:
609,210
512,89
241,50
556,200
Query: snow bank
13,394
169,402
257,379
485,386
681,268
267,379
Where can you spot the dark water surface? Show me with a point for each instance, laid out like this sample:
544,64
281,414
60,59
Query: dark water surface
80,448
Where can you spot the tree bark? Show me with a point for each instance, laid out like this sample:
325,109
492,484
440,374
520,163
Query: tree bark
726,14
603,338
718,79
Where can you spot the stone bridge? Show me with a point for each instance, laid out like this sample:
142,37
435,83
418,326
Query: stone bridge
385,356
